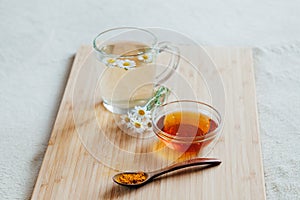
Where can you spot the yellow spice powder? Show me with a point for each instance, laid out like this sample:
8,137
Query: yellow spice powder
132,178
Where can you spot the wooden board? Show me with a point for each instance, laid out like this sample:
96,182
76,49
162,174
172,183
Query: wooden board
69,171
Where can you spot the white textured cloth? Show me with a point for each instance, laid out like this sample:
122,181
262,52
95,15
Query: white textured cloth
39,38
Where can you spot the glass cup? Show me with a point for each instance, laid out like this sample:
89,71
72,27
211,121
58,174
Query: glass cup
187,126
131,74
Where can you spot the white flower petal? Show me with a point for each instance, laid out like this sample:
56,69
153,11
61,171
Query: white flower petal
127,120
141,112
146,57
110,62
138,126
126,64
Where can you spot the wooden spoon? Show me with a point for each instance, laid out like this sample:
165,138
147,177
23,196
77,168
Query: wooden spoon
145,177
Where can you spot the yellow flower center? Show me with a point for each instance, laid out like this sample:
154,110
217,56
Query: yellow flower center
126,64
149,124
145,57
141,112
127,119
137,125
111,60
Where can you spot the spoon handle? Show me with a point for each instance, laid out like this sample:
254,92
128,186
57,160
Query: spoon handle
188,163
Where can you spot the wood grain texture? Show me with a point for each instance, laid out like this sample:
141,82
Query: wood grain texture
69,171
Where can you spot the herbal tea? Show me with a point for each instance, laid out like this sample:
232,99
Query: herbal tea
121,85
186,130
131,72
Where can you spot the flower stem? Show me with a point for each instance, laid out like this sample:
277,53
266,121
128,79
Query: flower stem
159,98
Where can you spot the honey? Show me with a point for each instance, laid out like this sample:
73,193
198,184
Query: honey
186,131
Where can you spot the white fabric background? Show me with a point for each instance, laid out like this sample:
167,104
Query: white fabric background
39,38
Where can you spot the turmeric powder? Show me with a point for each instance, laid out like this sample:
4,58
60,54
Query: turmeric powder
132,178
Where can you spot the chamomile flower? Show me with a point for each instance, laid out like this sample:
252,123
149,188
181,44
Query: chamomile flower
126,64
110,62
141,112
126,120
148,124
146,57
137,125
139,119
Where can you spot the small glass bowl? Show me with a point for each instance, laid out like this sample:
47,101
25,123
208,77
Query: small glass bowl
187,139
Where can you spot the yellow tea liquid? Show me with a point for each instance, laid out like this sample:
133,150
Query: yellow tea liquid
122,88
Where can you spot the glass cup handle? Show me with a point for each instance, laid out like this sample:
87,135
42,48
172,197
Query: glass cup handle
173,63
